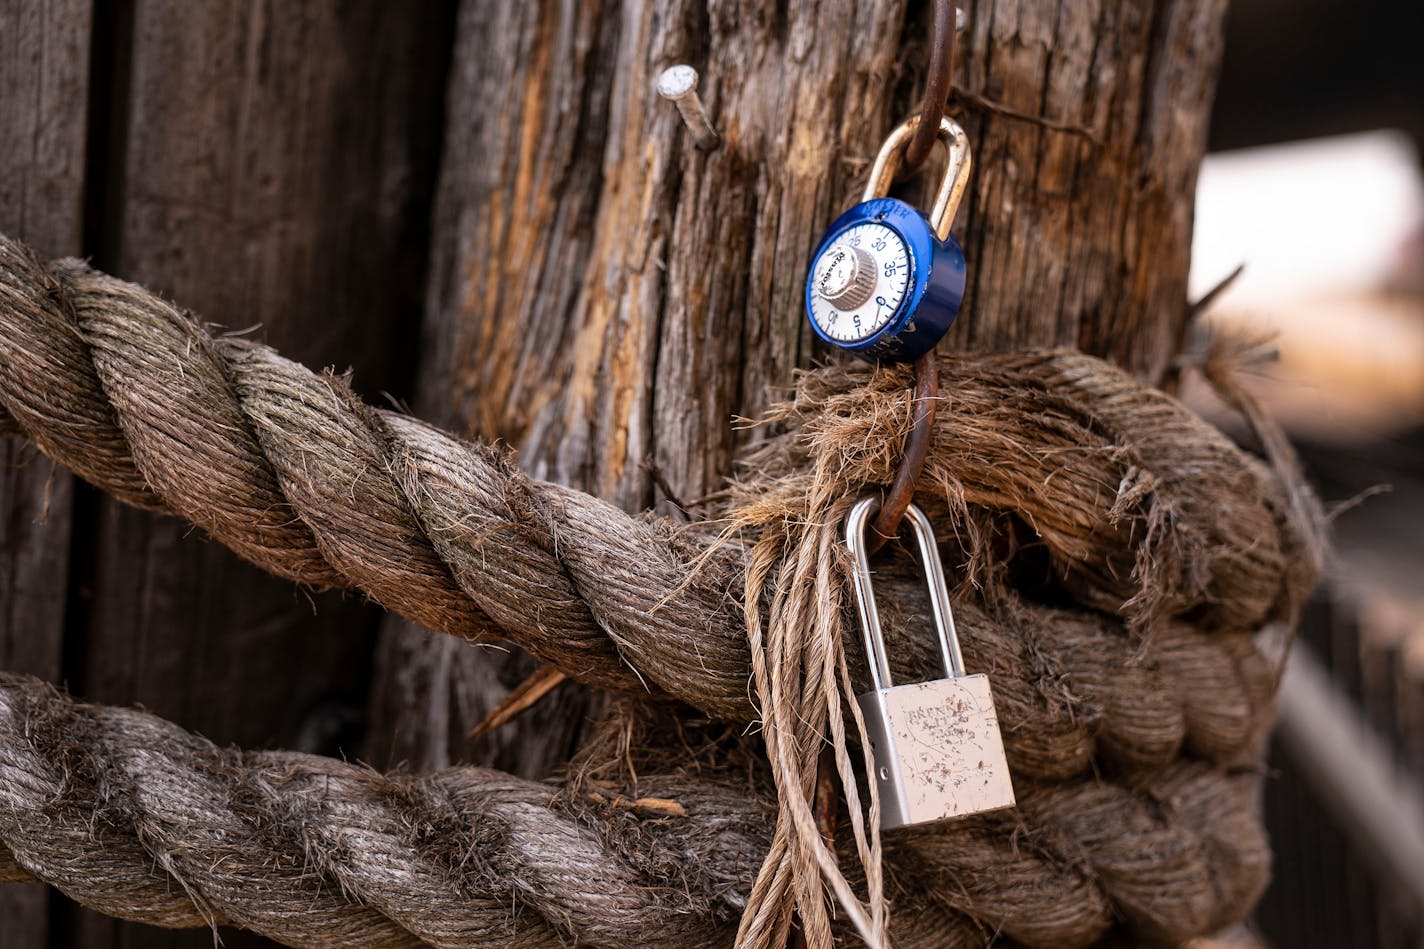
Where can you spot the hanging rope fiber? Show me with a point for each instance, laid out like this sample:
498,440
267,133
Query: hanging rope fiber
1116,557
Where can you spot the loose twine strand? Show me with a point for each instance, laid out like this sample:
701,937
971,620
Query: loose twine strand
797,671
1055,477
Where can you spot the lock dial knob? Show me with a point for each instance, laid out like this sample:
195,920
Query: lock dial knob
846,276
858,281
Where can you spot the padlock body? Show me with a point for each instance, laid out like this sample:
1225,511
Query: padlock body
929,296
936,750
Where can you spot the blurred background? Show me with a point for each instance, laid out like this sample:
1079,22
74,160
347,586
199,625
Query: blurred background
1314,184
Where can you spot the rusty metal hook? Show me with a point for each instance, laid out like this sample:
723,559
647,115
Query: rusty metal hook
917,447
938,84
926,394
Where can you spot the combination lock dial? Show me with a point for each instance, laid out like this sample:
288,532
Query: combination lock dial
886,282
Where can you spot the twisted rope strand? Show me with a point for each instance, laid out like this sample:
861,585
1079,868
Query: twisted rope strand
292,471
137,818
289,469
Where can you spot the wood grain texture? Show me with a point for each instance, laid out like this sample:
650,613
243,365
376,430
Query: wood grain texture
270,166
270,176
43,89
44,86
44,81
603,295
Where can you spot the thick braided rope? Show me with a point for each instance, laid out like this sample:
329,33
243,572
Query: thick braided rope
1144,513
137,818
291,470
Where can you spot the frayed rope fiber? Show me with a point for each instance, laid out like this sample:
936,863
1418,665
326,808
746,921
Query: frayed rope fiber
1115,555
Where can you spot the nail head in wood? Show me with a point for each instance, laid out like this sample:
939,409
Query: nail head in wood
678,84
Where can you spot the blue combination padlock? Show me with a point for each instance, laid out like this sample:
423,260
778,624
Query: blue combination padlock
886,281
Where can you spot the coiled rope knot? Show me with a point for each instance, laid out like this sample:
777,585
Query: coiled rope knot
1117,556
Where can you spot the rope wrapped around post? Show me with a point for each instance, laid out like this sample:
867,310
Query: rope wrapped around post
137,818
1159,545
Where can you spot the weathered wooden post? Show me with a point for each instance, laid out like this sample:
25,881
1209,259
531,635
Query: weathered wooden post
606,298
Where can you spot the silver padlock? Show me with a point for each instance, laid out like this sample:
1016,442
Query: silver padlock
935,746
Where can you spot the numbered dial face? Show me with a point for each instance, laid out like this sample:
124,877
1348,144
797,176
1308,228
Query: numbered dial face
859,281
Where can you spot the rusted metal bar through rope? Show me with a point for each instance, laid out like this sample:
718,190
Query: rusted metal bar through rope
937,87
938,83
902,491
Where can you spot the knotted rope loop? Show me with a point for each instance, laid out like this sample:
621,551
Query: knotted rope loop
1140,509
1115,555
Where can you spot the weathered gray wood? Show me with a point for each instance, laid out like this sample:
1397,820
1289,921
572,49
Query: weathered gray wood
44,66
270,176
603,295
272,167
44,88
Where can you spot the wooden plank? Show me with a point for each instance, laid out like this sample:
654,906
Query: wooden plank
44,80
272,166
44,84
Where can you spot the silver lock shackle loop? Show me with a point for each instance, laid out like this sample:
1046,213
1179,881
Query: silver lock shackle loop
951,187
856,523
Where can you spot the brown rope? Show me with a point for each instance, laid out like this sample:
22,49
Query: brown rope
289,469
453,535
134,817
1053,476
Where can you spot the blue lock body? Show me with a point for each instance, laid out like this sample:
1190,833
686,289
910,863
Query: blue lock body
887,281
934,284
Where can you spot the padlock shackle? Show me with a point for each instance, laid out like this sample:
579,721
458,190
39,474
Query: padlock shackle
951,187
856,523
